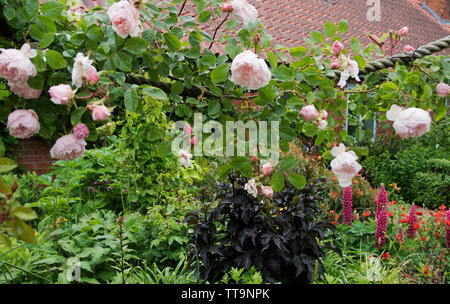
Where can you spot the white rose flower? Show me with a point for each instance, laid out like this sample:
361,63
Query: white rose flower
80,69
185,158
251,188
351,68
344,165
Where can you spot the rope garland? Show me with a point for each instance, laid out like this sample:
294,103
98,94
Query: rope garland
403,58
372,66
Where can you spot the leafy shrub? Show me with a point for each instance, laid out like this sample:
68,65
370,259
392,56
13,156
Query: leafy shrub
437,189
279,237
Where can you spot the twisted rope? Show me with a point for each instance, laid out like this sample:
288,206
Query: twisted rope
372,66
403,58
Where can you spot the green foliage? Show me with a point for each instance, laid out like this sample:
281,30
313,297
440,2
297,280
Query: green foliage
436,191
242,276
164,75
358,268
168,275
12,214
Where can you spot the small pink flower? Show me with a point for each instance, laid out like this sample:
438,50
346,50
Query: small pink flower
403,31
61,94
23,123
324,114
100,113
244,10
194,140
81,131
68,147
92,76
187,129
309,112
250,71
255,158
337,47
408,48
125,19
226,7
442,89
267,192
22,89
335,64
267,168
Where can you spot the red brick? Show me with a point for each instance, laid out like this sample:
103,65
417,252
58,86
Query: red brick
25,152
29,167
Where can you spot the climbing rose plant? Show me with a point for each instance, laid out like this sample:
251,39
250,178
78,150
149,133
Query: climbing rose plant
76,74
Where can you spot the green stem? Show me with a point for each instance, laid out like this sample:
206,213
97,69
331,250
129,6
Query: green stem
24,270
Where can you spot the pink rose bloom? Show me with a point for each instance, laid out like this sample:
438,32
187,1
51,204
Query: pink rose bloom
23,123
194,140
68,147
267,192
335,64
81,69
81,131
100,113
23,90
442,89
412,122
16,65
61,94
408,48
337,47
244,10
187,129
403,31
227,7
267,168
255,158
250,71
309,112
125,19
92,76
344,165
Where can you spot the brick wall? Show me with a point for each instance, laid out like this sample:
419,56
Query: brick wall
440,7
34,155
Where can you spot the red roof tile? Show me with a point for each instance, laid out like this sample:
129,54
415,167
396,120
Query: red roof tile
290,21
